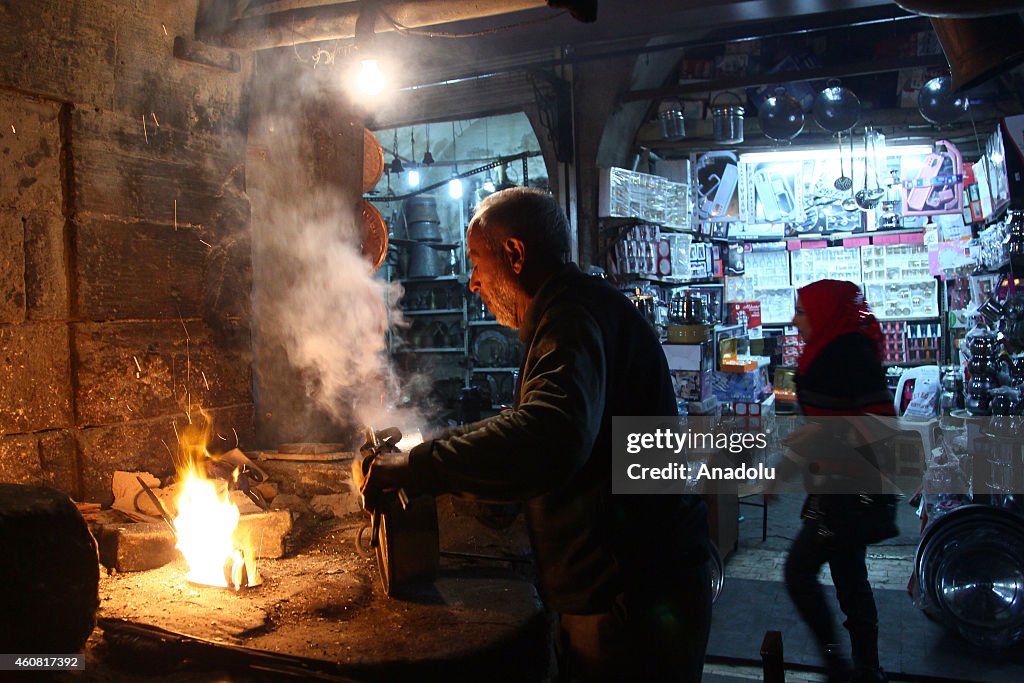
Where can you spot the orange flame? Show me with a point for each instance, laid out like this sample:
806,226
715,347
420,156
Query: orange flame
207,519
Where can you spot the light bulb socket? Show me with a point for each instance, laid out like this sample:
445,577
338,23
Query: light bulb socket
396,166
428,158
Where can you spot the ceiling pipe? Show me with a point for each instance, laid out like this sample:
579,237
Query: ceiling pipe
337,21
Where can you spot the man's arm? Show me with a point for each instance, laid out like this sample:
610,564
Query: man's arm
533,448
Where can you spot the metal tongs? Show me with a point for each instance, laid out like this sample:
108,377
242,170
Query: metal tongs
384,441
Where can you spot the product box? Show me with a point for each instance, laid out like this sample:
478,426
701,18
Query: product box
690,357
745,386
690,385
747,313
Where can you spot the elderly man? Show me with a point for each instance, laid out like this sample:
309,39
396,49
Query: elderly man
626,574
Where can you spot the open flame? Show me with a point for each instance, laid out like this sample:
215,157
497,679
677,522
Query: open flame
207,519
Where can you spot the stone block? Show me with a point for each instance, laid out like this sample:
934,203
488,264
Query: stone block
48,459
46,266
137,370
309,478
336,504
265,532
35,379
136,547
30,144
12,267
146,446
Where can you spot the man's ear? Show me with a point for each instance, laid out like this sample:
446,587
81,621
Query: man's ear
515,253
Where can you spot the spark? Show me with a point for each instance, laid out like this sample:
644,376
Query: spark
164,28
144,131
157,122
207,383
236,436
12,129
222,437
207,243
175,214
168,448
139,373
174,426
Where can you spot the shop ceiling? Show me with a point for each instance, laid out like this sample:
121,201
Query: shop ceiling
519,34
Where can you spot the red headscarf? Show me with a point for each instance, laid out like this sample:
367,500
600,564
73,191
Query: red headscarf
834,308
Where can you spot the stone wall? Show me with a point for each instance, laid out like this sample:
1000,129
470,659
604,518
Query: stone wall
125,258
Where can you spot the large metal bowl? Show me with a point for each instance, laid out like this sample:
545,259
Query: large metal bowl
969,570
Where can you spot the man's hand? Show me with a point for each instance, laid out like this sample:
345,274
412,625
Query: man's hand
386,475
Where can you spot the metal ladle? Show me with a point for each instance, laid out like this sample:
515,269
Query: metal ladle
850,203
842,183
868,199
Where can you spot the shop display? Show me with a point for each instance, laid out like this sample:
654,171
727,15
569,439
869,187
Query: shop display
837,263
936,185
717,180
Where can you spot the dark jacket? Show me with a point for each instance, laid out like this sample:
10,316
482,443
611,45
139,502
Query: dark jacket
847,379
589,356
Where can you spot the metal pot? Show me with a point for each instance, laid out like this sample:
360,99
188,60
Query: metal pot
423,261
673,125
727,121
409,548
420,208
424,231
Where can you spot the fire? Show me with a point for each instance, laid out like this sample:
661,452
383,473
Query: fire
207,519
205,525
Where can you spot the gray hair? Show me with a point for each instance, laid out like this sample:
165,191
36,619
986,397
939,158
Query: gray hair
528,214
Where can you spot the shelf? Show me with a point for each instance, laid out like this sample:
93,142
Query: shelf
439,278
483,323
495,369
457,349
633,277
438,311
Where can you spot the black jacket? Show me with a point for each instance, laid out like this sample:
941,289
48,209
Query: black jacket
589,356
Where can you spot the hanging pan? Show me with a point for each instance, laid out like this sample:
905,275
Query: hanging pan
374,243
373,160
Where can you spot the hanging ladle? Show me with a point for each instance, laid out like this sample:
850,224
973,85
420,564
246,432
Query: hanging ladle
842,183
868,199
850,203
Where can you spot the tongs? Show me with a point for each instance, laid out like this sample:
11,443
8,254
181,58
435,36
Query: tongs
384,441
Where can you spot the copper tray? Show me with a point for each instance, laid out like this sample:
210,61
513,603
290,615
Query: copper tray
373,160
374,244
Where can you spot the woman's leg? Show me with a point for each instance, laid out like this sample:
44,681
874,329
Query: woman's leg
850,575
805,559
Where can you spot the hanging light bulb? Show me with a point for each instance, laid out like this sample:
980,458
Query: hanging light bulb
369,80
413,178
455,186
488,184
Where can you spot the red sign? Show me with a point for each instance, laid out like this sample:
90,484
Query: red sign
745,310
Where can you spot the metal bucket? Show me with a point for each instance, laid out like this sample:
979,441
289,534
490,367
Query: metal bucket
673,125
423,261
420,208
727,121
423,231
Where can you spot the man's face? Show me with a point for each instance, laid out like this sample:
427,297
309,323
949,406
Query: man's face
493,278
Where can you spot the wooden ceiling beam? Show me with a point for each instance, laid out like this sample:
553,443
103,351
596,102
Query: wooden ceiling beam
227,25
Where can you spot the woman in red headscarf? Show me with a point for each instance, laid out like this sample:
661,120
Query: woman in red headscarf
839,374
